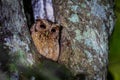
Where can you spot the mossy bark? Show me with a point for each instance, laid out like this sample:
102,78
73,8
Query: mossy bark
16,48
19,59
87,25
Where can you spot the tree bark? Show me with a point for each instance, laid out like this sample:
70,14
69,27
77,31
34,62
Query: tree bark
19,59
86,27
16,48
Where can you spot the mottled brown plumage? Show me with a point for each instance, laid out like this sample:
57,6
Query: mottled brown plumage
45,36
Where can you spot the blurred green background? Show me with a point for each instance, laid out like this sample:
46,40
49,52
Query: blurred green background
114,55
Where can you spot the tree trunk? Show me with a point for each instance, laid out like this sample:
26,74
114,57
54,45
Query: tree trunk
86,27
16,48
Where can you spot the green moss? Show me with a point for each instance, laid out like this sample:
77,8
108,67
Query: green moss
12,67
22,57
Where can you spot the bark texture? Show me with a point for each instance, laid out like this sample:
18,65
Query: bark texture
19,59
87,24
15,40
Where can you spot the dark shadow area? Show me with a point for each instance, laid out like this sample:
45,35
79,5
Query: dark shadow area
80,77
109,76
28,12
4,56
57,70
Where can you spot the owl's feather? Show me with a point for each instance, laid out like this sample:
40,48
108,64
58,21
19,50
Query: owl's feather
45,36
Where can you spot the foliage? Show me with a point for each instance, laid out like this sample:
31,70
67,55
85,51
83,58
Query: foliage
114,56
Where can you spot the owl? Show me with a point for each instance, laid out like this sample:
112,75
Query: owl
45,35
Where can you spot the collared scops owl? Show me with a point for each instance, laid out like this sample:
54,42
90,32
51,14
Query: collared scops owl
45,35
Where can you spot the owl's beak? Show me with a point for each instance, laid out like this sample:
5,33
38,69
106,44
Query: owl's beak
46,34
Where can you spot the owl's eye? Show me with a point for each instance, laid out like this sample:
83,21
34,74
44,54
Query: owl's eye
53,30
42,26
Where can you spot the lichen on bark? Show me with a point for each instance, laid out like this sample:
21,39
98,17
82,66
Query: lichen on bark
15,37
87,24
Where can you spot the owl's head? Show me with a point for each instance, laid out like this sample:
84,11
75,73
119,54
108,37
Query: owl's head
47,28
42,25
45,35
